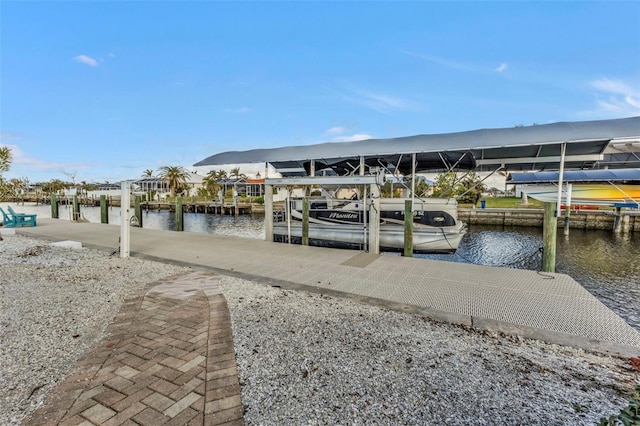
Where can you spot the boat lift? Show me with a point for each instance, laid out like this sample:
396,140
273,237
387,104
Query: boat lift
370,185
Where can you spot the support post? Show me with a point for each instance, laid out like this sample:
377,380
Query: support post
549,231
305,221
567,208
413,180
138,209
617,223
125,208
76,208
104,209
55,210
374,220
179,214
408,228
268,212
563,151
625,223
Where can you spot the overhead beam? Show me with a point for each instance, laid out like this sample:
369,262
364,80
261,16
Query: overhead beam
553,159
325,180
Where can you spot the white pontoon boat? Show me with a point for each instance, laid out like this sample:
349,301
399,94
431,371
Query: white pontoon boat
344,224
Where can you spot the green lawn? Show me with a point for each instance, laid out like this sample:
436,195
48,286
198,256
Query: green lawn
507,203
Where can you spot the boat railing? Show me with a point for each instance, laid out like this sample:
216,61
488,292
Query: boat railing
279,216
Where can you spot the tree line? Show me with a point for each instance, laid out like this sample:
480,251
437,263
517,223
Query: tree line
467,189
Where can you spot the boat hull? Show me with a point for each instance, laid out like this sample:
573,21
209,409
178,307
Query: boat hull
587,194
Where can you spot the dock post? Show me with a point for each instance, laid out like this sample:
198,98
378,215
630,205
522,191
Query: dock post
55,211
617,223
268,212
374,220
76,208
305,221
179,214
549,231
125,208
104,209
408,228
567,215
138,209
567,208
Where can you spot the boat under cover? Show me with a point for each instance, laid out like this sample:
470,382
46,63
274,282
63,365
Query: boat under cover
344,224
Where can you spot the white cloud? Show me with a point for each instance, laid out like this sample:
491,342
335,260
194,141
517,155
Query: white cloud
381,102
20,158
352,138
456,65
6,136
503,67
622,99
241,110
336,130
448,63
87,60
612,86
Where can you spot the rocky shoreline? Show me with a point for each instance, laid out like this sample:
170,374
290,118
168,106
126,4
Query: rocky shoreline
302,357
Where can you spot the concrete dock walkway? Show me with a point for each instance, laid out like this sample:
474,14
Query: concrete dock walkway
548,307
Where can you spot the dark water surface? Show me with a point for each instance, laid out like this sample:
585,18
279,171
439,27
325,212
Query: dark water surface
606,264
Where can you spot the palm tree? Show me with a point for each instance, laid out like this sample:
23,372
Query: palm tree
211,181
174,176
5,158
147,173
235,173
5,164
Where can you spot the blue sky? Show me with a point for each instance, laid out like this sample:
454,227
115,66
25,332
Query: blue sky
105,90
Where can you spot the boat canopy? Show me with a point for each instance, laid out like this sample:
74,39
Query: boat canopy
583,176
536,147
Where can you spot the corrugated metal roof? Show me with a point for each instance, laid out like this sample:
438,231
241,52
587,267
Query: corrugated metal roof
530,147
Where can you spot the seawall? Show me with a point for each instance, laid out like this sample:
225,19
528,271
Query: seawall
579,219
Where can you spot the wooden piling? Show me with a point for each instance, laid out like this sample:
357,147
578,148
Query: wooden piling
179,215
138,209
305,221
104,209
617,223
549,232
55,211
76,208
268,212
408,228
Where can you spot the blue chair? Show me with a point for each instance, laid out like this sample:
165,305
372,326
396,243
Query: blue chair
21,219
7,221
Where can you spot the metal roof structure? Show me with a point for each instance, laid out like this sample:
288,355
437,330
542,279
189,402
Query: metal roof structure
617,175
536,147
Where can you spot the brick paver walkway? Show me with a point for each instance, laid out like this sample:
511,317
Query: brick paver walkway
167,358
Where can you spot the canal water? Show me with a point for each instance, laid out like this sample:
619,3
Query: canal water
606,264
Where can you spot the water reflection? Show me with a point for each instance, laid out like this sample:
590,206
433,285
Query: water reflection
605,263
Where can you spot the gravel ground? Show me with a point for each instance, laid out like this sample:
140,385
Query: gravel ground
54,304
303,358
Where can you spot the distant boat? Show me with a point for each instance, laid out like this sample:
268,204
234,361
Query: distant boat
344,224
592,194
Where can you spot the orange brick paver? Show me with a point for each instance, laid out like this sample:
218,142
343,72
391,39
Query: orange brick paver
168,358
